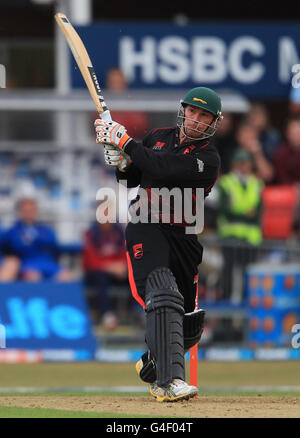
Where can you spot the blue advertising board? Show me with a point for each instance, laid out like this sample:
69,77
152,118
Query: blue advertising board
45,316
257,59
273,296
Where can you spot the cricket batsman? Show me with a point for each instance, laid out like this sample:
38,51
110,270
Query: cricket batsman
162,258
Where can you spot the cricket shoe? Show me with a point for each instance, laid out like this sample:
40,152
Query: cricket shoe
176,390
156,391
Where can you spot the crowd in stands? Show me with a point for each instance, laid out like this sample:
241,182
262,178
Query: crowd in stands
260,168
30,252
274,155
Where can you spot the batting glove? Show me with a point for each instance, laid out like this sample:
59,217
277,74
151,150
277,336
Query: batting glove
112,133
114,157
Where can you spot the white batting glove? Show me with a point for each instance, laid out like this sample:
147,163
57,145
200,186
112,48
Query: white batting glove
112,133
114,157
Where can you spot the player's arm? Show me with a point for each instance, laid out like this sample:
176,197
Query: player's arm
173,168
167,167
115,157
132,174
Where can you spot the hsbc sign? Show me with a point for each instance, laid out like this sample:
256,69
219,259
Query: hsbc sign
255,59
174,60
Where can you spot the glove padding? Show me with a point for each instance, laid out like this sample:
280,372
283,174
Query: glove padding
114,157
112,133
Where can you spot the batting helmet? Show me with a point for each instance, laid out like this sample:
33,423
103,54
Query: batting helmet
207,99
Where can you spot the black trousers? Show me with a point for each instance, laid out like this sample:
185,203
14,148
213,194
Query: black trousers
150,246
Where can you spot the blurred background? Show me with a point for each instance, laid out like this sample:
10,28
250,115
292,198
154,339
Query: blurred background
64,293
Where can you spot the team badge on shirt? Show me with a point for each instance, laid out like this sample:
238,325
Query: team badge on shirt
138,251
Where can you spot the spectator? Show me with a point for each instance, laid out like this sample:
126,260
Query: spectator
294,101
34,244
247,138
239,219
225,142
116,81
9,264
136,122
104,264
287,157
268,136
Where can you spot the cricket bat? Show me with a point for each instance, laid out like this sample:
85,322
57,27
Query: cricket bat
85,65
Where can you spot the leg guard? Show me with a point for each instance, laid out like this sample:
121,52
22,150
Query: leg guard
148,370
193,324
164,325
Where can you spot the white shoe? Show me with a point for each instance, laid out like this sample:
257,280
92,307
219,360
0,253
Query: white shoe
176,390
155,390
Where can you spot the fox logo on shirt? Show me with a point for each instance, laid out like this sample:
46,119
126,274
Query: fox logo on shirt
138,251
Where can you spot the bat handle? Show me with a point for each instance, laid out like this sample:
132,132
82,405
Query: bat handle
105,116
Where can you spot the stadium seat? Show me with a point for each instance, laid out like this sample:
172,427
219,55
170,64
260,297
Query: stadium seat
278,211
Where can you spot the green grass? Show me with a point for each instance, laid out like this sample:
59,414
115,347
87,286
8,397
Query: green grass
58,379
55,375
17,412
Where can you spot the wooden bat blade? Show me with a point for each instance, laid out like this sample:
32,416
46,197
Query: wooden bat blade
83,61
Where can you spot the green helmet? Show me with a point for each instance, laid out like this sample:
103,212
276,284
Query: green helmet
205,98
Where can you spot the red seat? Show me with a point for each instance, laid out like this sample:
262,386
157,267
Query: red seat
278,211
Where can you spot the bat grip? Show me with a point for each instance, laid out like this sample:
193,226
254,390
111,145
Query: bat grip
105,116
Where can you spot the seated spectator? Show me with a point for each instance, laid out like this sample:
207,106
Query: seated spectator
287,158
104,264
225,143
268,136
9,264
34,244
247,138
137,122
239,219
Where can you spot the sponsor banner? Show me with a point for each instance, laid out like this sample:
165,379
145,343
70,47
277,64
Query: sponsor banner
257,59
46,317
20,356
123,356
210,354
36,356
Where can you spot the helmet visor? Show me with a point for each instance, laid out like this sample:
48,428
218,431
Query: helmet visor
196,130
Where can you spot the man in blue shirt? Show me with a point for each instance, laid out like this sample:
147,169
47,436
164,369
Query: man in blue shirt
35,244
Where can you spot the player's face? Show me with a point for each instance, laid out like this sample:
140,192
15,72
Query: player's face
244,167
293,134
28,211
197,121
